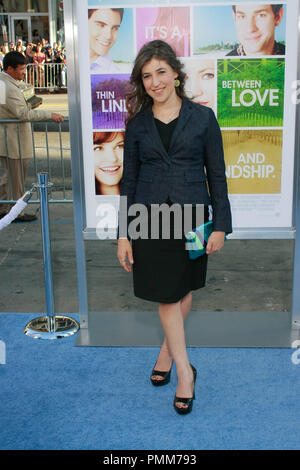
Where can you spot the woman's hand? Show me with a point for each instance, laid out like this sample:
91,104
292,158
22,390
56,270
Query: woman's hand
215,242
125,250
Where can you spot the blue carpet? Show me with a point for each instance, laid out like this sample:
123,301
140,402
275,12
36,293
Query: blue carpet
58,396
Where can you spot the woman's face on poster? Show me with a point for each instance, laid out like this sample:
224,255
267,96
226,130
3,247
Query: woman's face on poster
200,82
108,160
104,27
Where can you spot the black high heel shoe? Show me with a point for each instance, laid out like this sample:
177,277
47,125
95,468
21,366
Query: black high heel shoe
187,401
166,377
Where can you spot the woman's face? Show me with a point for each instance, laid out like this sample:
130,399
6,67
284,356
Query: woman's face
108,160
201,82
158,80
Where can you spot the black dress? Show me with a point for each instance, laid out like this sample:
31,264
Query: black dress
162,270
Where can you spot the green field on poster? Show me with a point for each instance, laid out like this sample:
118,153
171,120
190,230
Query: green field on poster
251,92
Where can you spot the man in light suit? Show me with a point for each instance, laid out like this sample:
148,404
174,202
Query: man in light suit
13,105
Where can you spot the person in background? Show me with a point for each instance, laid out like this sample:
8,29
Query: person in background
3,52
20,43
28,54
34,46
59,61
50,67
39,60
50,55
29,64
13,105
45,45
19,49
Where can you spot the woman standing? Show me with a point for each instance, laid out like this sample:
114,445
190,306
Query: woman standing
172,148
29,63
3,52
49,67
59,61
39,61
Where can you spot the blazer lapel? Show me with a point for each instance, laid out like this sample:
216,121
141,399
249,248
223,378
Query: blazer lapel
153,132
184,116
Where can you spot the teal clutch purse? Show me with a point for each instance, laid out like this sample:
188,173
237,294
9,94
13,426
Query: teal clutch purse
197,239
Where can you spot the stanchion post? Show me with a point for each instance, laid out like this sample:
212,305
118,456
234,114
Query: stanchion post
43,187
50,326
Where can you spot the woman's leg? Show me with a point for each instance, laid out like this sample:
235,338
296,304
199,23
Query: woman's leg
164,359
173,324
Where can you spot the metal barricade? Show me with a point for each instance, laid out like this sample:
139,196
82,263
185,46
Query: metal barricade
51,153
49,76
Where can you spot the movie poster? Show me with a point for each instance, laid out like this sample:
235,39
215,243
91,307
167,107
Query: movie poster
111,42
239,30
251,92
108,100
253,161
111,54
108,150
170,24
201,81
240,60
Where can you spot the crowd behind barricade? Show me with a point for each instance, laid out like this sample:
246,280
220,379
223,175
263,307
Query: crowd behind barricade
45,63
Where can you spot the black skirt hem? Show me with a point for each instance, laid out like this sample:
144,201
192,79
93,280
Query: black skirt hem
145,297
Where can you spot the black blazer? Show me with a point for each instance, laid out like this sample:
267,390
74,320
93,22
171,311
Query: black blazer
195,158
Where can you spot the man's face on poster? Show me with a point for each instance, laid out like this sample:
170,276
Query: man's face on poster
255,26
104,27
